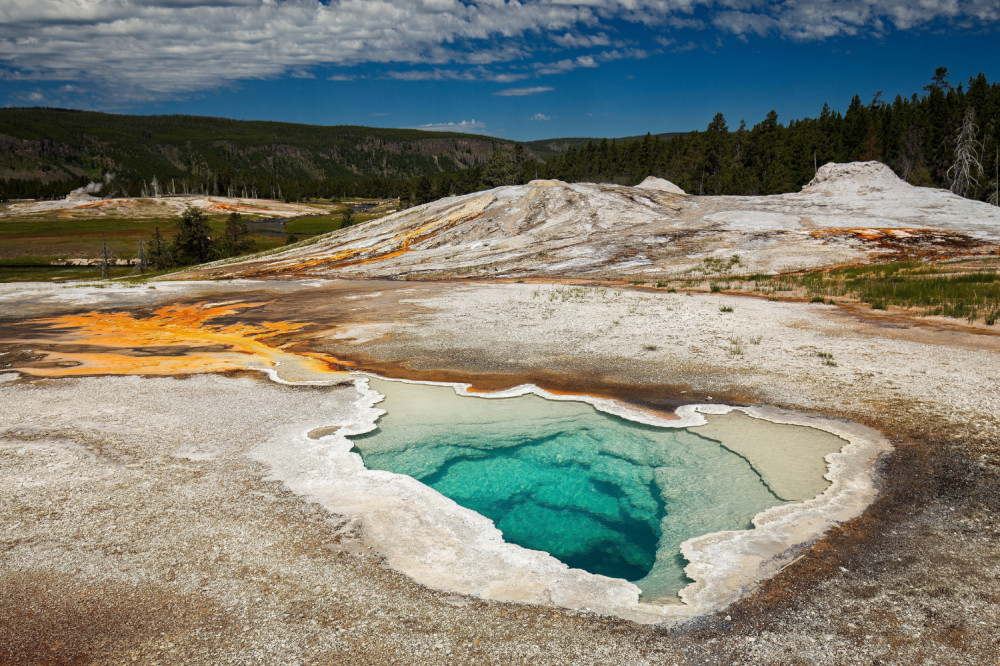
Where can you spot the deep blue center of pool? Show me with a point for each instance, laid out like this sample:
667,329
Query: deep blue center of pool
543,500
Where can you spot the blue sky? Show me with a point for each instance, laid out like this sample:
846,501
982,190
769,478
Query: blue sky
522,70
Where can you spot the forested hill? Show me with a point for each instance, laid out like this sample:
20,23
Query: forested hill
944,136
47,152
929,139
546,149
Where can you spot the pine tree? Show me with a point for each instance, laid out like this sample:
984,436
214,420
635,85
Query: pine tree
499,170
193,242
911,153
158,253
939,81
236,239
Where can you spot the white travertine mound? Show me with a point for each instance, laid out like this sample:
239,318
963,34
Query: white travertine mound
80,202
834,179
660,184
649,232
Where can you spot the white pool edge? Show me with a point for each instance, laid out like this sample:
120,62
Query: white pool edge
447,547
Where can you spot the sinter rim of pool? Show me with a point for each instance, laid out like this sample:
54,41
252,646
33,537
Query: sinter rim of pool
445,546
596,491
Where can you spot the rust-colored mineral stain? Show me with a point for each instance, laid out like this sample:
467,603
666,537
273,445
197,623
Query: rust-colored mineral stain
227,207
93,204
396,246
174,340
221,207
865,233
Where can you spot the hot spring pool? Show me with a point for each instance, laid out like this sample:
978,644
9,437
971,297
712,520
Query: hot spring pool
598,492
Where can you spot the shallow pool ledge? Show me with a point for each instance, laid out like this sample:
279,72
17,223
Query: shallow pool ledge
445,546
726,565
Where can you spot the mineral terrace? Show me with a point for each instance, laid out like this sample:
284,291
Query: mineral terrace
168,447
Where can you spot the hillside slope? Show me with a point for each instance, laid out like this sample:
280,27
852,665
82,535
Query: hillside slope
61,145
848,214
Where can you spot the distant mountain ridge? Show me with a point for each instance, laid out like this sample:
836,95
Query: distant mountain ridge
61,147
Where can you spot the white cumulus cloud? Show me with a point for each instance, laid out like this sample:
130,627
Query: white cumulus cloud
467,126
522,92
148,49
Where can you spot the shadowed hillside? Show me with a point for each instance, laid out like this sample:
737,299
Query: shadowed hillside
46,152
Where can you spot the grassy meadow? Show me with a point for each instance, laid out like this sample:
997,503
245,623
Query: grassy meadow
30,245
33,245
966,288
324,224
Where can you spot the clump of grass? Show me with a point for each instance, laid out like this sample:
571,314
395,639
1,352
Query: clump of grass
725,308
735,347
577,294
716,265
755,339
650,347
816,299
827,358
661,284
715,287
949,289
671,291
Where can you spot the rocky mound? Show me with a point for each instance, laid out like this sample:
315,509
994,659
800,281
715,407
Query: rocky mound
834,179
660,184
603,231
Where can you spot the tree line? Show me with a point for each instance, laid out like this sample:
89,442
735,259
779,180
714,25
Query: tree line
194,243
36,188
947,137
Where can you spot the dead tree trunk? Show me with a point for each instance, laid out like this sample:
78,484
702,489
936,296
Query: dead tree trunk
965,172
140,258
995,195
104,260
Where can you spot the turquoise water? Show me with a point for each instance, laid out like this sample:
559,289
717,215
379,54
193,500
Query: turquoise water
598,492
